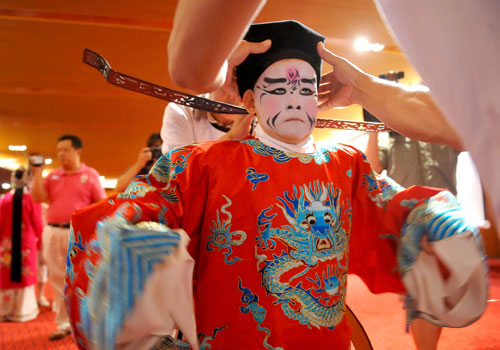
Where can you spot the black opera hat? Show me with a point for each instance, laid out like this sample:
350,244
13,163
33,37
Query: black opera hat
290,39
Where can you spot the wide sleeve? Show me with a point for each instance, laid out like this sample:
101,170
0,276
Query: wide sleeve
376,226
126,255
450,286
388,224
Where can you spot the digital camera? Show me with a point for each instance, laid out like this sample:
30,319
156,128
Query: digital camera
156,150
36,160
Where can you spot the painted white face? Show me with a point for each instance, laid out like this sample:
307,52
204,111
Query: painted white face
286,100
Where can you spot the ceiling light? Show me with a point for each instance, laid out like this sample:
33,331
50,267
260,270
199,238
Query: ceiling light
362,45
9,163
48,161
18,148
5,186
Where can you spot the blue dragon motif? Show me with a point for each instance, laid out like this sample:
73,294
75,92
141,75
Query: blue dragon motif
254,177
250,300
315,235
74,247
136,189
204,345
221,238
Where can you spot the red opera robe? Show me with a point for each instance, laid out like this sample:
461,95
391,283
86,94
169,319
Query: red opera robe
273,236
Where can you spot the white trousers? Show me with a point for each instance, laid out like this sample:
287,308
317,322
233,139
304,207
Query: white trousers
18,305
55,248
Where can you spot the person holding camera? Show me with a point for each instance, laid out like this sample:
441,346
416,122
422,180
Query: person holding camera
20,242
145,161
73,186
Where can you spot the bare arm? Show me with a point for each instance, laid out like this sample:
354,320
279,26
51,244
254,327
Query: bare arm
371,152
408,110
123,181
203,38
38,192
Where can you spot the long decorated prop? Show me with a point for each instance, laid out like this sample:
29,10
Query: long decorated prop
144,87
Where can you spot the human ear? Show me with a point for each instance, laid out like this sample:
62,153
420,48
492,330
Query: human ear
249,101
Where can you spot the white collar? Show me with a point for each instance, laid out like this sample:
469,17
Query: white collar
306,146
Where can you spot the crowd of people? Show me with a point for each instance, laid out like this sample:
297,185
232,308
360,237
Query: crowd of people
247,211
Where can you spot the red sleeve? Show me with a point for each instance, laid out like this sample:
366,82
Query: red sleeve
379,210
173,193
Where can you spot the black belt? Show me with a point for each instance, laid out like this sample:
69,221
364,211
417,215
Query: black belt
66,225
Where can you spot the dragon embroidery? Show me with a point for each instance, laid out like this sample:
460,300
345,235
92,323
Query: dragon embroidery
308,277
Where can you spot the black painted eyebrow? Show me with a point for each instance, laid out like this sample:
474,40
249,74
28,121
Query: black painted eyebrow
274,81
309,81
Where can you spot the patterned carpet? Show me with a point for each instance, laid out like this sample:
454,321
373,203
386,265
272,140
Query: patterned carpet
33,334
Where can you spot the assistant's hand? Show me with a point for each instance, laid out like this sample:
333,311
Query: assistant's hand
240,128
241,52
337,86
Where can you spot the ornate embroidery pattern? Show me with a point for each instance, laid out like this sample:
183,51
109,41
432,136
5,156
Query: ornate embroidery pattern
221,238
389,187
136,189
254,177
6,256
204,339
314,237
439,217
74,247
370,181
169,194
320,157
129,255
250,300
164,170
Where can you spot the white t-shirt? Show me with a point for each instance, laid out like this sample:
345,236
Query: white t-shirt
185,125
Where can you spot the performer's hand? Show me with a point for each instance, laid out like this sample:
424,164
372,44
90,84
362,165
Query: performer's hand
244,49
337,86
427,248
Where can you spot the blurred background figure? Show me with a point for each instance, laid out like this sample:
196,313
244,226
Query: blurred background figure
67,189
42,270
185,125
20,243
411,162
145,160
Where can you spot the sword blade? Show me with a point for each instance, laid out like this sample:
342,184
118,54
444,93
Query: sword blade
126,81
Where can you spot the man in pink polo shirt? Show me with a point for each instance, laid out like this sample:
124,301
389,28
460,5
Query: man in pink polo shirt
69,188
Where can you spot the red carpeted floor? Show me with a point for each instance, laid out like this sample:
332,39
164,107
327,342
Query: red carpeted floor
381,315
383,318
